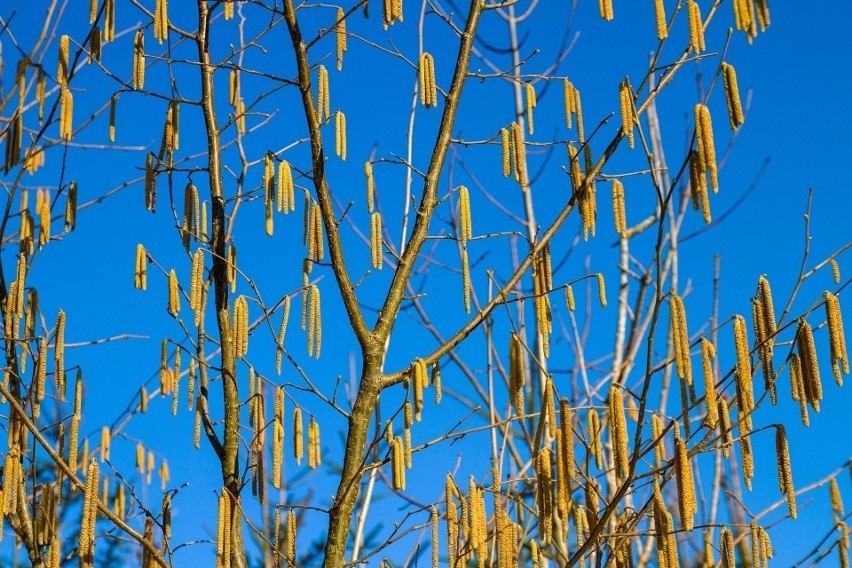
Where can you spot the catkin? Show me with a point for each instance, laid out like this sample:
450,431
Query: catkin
86,549
685,485
732,96
282,330
696,28
747,455
340,135
625,95
433,522
376,239
708,352
290,539
809,366
835,270
371,186
196,284
659,442
419,370
340,32
680,338
506,152
139,60
742,373
516,374
314,454
174,294
606,9
660,19
398,464
837,339
40,376
595,437
241,317
150,182
601,289
519,154
618,212
229,10
618,433
465,226
231,269
59,356
465,280
785,473
323,104
298,437
725,426
834,493
428,88
191,221
314,322
531,104
66,113
567,440
436,381
704,139
544,494
569,297
726,545
286,195
161,20
278,438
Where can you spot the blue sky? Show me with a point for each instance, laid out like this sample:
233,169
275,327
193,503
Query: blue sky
797,81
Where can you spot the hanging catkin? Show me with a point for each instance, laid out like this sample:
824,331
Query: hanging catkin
625,95
139,60
428,88
340,32
618,432
696,28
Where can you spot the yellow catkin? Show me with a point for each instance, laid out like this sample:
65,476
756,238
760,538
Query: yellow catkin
835,270
290,539
421,381
191,221
680,339
196,284
797,388
747,455
398,464
240,116
465,226
765,308
809,365
298,437
696,28
376,240
240,324
465,280
139,60
140,277
506,149
174,294
314,322
433,522
732,96
371,187
229,10
785,473
606,9
282,331
568,101
519,155
278,438
323,104
66,114
618,211
231,271
340,135
544,497
150,181
660,19
340,32
685,485
531,104
618,433
659,442
742,373
837,339
625,96
516,374
428,87
314,453
223,528
86,549
565,424
105,443
233,87
436,381
601,289
95,47
63,69
725,426
59,356
726,546
569,298
762,12
93,11
594,442
196,431
708,353
704,138
40,376
834,494
286,195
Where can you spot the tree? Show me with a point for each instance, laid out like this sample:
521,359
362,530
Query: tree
439,278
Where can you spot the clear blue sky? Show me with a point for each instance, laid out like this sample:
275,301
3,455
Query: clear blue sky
796,77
